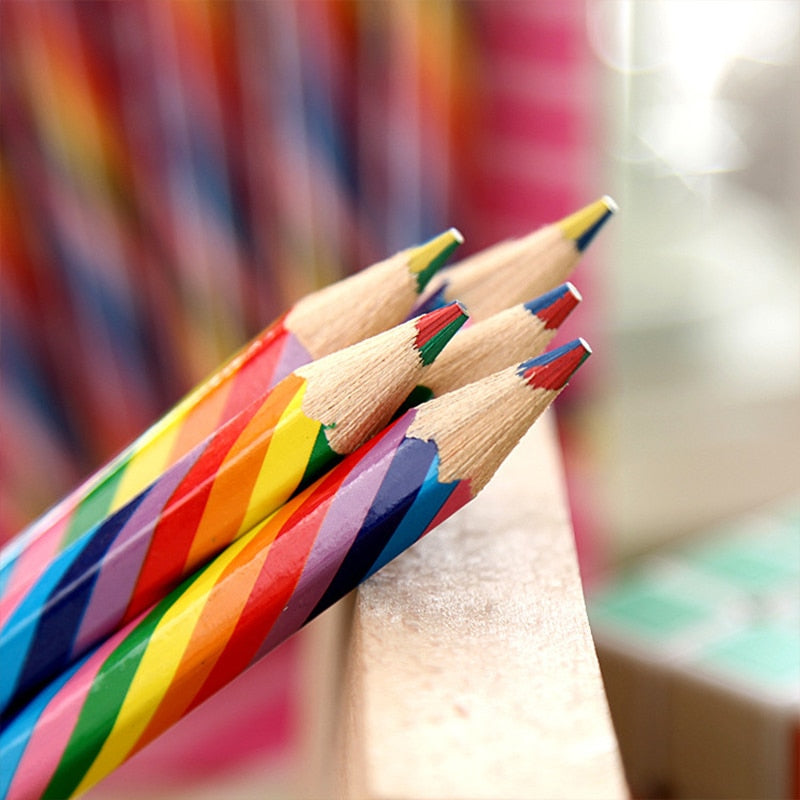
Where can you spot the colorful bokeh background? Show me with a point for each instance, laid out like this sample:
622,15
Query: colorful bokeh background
175,174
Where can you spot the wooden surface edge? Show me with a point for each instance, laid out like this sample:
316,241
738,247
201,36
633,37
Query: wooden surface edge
470,668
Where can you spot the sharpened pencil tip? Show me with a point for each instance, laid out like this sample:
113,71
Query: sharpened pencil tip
583,225
426,259
554,307
552,370
435,329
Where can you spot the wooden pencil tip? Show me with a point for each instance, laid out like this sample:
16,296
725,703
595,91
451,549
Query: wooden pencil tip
426,259
552,370
583,225
436,328
554,307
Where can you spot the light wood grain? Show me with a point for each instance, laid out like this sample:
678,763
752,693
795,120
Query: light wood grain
471,670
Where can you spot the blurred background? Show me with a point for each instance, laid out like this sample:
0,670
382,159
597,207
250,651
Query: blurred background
174,174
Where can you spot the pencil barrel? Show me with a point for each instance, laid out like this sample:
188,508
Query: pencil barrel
307,556
221,489
260,365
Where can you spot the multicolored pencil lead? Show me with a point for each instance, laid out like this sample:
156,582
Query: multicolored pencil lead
583,225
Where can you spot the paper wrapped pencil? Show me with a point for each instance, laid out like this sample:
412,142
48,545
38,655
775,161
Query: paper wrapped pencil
261,589
321,323
217,492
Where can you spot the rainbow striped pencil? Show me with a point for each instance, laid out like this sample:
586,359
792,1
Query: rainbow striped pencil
220,490
319,324
515,270
264,587
505,338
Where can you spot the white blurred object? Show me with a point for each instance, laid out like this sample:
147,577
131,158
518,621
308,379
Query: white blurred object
702,412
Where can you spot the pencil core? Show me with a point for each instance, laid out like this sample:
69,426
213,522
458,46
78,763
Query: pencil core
552,370
436,328
554,307
425,259
583,225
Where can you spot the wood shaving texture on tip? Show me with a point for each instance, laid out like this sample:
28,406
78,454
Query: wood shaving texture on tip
506,338
356,391
354,308
512,272
473,437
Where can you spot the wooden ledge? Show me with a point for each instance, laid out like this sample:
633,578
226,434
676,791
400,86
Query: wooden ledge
471,671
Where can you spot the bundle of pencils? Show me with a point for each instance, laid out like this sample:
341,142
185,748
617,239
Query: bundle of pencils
270,492
492,280
319,324
219,490
284,572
